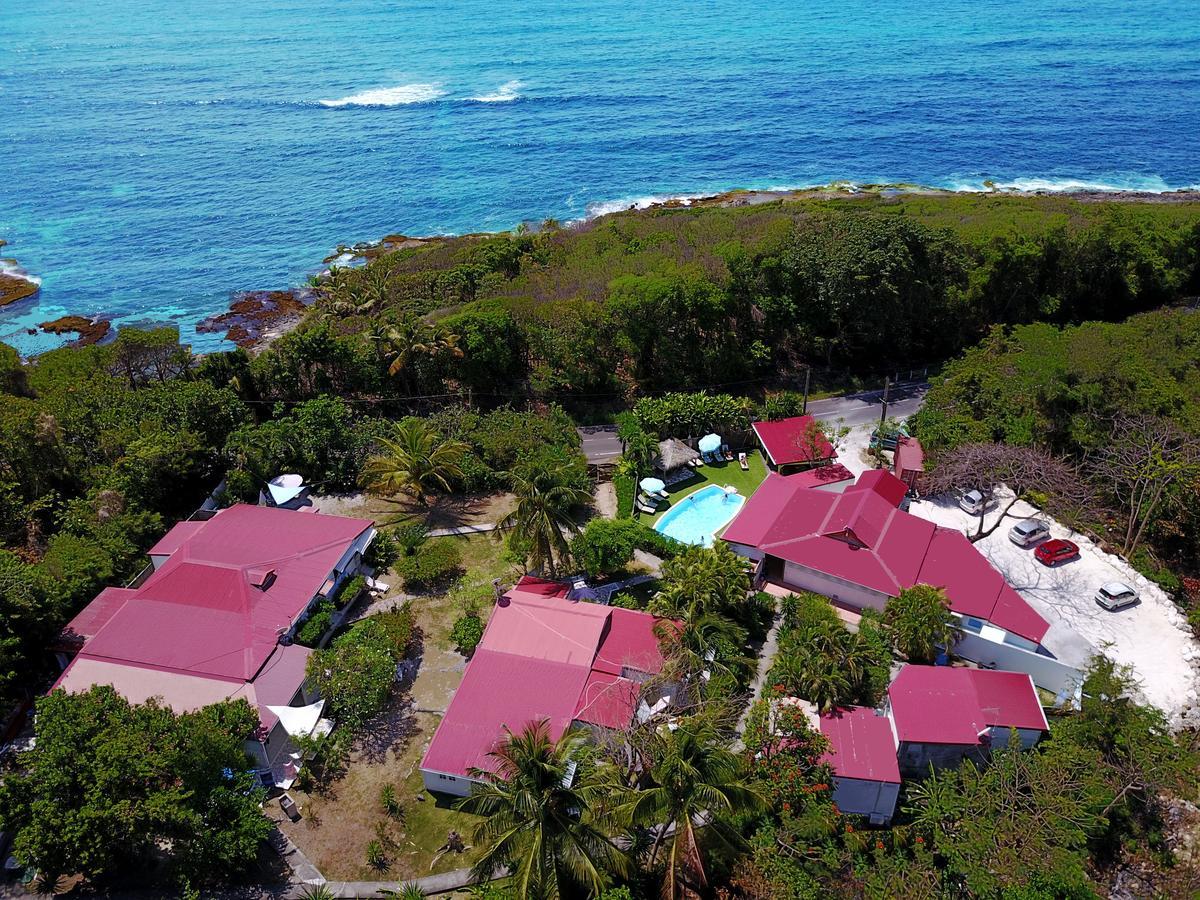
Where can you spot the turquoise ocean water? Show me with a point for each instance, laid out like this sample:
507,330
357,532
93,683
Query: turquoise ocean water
155,156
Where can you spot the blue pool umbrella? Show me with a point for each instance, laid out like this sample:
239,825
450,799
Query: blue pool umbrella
710,443
652,485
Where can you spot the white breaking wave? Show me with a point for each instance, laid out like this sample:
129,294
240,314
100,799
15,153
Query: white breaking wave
401,95
603,208
10,268
510,90
1151,184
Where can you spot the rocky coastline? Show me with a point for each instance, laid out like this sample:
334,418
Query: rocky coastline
90,331
15,282
255,318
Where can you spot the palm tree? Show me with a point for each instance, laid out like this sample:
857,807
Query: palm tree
401,344
545,814
815,677
694,778
710,643
546,492
702,580
920,622
414,460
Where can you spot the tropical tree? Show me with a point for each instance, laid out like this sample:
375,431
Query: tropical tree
414,460
547,487
702,580
709,644
693,778
402,345
919,622
546,807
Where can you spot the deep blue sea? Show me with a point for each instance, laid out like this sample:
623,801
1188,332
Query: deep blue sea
156,156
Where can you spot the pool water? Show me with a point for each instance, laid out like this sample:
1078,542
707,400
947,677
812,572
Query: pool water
699,516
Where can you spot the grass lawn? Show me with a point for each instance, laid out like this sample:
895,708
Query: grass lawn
341,818
724,473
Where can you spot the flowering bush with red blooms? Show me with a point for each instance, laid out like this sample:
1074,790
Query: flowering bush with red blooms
785,758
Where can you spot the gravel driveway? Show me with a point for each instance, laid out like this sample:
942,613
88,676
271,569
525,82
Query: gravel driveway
1152,637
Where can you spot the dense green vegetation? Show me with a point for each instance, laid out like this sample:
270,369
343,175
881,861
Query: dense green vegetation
683,298
111,789
454,368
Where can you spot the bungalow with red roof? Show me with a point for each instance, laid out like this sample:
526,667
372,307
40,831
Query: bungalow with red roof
795,443
215,621
858,548
943,715
542,656
908,461
861,755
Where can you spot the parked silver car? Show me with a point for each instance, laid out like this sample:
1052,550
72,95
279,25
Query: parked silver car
1116,595
1028,532
974,503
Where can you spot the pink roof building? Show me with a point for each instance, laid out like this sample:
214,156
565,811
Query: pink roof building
942,715
797,441
210,622
859,548
862,755
542,656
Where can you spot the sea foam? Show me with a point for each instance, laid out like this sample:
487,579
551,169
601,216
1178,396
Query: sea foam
402,95
1150,184
510,90
9,267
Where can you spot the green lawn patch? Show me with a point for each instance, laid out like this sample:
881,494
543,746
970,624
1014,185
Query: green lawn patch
724,473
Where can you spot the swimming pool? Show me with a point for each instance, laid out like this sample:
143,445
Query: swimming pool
697,517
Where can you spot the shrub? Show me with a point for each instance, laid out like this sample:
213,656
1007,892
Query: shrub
376,858
382,551
432,564
390,802
349,590
625,488
467,633
316,624
409,538
605,545
355,675
399,625
783,405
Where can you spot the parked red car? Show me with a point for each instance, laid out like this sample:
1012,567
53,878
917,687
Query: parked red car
1051,553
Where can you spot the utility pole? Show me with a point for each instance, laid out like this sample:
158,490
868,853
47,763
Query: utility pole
887,384
807,373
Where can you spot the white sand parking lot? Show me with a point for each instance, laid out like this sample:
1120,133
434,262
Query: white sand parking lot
1152,637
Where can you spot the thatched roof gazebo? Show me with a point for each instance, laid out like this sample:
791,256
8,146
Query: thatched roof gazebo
674,454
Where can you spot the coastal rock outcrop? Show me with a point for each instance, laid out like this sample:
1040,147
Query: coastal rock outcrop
255,317
90,331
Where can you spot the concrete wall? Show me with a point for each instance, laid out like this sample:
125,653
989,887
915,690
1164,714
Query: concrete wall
454,785
805,579
876,799
1046,671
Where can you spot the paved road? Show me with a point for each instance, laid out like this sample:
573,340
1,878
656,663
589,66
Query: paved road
600,444
860,409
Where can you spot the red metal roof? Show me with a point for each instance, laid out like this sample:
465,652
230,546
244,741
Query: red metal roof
790,441
909,455
861,537
199,612
822,476
883,483
606,700
173,539
198,630
861,744
544,657
942,705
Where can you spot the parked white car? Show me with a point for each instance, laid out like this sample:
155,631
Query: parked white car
1116,595
1028,532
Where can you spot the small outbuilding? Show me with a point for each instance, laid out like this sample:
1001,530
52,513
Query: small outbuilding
908,461
673,456
794,444
944,715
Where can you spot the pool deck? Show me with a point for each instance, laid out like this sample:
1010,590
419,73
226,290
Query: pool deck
720,474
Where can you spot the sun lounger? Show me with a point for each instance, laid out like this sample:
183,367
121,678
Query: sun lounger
661,495
727,453
743,462
646,508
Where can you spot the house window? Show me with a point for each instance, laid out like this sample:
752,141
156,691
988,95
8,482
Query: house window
972,624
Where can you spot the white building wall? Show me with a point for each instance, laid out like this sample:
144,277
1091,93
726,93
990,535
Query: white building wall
1046,671
440,783
805,579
